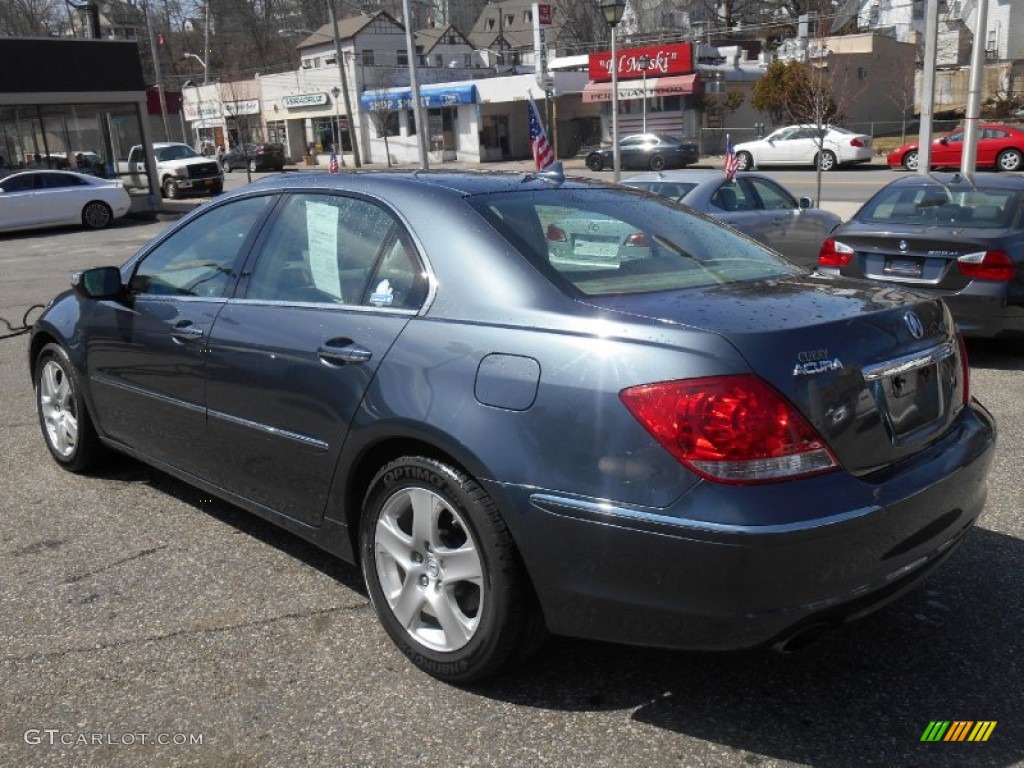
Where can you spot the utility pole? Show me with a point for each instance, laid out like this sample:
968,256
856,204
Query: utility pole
970,153
924,141
352,133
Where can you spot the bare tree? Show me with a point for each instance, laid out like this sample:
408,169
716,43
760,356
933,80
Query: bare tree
900,91
32,18
383,113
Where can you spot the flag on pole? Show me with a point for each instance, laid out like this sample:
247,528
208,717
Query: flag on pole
333,166
731,163
543,156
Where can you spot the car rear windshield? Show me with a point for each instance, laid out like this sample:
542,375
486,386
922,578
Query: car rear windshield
959,207
676,190
620,241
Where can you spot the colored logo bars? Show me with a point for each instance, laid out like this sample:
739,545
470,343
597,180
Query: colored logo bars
958,730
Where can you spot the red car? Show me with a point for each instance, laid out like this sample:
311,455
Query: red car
999,146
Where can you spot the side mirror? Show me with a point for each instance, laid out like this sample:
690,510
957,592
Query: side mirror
98,283
806,202
943,140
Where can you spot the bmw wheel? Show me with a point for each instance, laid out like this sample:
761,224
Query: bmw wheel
744,161
442,571
827,161
65,422
595,162
910,160
1009,160
96,215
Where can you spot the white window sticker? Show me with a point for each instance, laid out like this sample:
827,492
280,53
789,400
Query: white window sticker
322,234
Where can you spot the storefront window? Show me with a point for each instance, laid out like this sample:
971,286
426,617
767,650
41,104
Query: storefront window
88,138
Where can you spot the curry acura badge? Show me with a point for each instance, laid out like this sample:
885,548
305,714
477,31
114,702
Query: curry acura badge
815,361
903,246
914,325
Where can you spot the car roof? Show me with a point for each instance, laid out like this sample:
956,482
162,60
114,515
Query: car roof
956,181
463,182
696,175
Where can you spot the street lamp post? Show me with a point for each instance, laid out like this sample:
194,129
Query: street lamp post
336,92
644,62
200,119
613,10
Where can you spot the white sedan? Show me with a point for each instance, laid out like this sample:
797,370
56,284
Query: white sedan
33,199
799,145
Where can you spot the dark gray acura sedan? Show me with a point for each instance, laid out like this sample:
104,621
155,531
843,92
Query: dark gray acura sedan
674,439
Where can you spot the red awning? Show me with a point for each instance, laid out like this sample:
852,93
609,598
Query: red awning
680,85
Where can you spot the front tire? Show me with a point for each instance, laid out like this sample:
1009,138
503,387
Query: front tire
827,161
595,162
1009,160
442,571
226,166
67,428
744,161
910,160
171,189
97,215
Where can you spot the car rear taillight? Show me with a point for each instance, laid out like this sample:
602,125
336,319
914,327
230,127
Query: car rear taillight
556,234
637,239
730,429
987,265
965,368
834,254
856,142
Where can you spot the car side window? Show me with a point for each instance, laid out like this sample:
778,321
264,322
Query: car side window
203,257
61,180
21,183
335,249
772,197
734,197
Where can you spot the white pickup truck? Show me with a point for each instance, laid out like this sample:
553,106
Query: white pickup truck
180,168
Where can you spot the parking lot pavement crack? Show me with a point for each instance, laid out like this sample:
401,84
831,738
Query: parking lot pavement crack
115,564
185,632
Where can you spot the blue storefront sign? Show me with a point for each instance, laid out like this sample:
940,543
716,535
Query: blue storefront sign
431,96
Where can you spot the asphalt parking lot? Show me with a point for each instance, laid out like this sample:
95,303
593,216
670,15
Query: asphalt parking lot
145,624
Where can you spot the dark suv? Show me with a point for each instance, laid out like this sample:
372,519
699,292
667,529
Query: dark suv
258,157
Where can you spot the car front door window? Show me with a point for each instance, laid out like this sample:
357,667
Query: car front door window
203,258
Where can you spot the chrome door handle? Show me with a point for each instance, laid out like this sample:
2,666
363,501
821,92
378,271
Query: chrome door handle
186,333
341,355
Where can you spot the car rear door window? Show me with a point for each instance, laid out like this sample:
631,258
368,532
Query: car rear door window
339,250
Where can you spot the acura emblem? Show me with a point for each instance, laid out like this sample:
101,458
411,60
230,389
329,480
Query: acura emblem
914,325
903,246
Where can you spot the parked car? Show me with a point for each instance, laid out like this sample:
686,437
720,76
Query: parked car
643,151
945,237
34,199
799,145
702,446
257,157
999,146
754,204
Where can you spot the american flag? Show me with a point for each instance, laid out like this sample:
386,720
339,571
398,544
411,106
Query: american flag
333,167
731,163
543,156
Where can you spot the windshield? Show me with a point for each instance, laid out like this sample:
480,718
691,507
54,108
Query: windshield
960,207
602,242
175,152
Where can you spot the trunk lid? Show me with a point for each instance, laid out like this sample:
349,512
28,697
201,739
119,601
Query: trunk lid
875,370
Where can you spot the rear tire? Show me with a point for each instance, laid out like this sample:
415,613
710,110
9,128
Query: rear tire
252,166
67,428
595,162
443,572
226,166
657,163
827,161
97,215
1009,160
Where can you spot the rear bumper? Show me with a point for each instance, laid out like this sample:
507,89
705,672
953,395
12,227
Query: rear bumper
830,548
